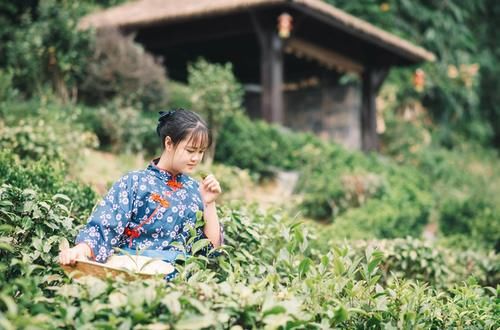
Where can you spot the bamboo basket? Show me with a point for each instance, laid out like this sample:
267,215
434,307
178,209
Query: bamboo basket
130,267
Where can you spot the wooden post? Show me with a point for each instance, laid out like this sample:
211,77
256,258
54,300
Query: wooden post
271,70
372,81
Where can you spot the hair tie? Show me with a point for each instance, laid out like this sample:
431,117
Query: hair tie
165,115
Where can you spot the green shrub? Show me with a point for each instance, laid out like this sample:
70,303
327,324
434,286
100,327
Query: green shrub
46,179
216,94
45,48
121,68
33,141
472,216
267,280
121,128
463,39
180,95
259,147
423,261
7,91
364,194
34,226
465,178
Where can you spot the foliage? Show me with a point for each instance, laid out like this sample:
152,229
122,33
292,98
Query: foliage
51,130
259,147
366,196
465,178
122,128
461,36
431,263
180,95
215,93
473,216
119,67
45,179
45,47
271,278
7,91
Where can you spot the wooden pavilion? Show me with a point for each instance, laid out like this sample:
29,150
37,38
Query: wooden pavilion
290,76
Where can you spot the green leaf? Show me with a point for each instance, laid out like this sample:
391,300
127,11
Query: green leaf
341,314
171,300
338,266
275,310
200,244
62,197
10,304
192,322
304,266
376,259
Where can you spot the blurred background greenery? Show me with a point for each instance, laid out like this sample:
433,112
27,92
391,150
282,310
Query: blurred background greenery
72,120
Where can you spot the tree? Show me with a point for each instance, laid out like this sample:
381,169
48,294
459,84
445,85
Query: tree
215,94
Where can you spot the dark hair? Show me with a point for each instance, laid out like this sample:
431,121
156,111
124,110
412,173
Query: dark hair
179,124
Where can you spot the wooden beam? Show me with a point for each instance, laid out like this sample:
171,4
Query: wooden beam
324,56
372,81
164,36
271,69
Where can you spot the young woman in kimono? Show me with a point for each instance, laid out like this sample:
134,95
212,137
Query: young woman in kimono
154,210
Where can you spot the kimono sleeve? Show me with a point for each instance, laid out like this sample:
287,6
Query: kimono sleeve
106,224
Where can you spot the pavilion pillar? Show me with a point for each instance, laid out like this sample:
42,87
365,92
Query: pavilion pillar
271,70
372,81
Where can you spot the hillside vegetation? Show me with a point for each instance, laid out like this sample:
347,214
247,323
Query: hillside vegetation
350,249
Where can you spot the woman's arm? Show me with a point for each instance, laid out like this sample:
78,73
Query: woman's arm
104,227
212,226
210,189
70,255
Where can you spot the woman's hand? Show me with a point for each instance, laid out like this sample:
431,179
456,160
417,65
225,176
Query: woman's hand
210,189
69,256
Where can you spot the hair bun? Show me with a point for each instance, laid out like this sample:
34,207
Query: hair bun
165,114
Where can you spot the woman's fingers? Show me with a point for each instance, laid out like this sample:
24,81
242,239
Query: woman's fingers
69,256
214,187
212,184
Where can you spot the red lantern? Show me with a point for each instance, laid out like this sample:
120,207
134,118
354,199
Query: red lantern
419,80
284,25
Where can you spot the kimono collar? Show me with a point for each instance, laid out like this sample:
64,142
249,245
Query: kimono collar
162,173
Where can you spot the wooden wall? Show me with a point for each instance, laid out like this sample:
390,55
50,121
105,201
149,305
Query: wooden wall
329,110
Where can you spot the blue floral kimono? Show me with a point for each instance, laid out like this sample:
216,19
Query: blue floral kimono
148,210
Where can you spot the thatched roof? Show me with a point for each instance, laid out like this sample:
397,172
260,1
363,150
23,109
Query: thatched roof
152,12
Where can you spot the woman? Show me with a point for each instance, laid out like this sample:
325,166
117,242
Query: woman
154,210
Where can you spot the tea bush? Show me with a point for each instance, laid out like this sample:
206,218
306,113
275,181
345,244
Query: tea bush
47,179
34,225
423,261
123,129
271,278
465,179
259,147
43,128
369,195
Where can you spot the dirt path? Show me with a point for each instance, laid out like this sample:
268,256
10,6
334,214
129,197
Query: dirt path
100,169
277,192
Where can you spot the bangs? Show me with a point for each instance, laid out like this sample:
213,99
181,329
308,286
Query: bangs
199,137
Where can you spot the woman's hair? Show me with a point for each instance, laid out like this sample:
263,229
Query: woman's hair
180,124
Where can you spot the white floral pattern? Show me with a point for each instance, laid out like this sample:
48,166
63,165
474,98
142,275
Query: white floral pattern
134,202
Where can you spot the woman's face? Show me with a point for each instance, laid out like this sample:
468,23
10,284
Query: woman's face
187,155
